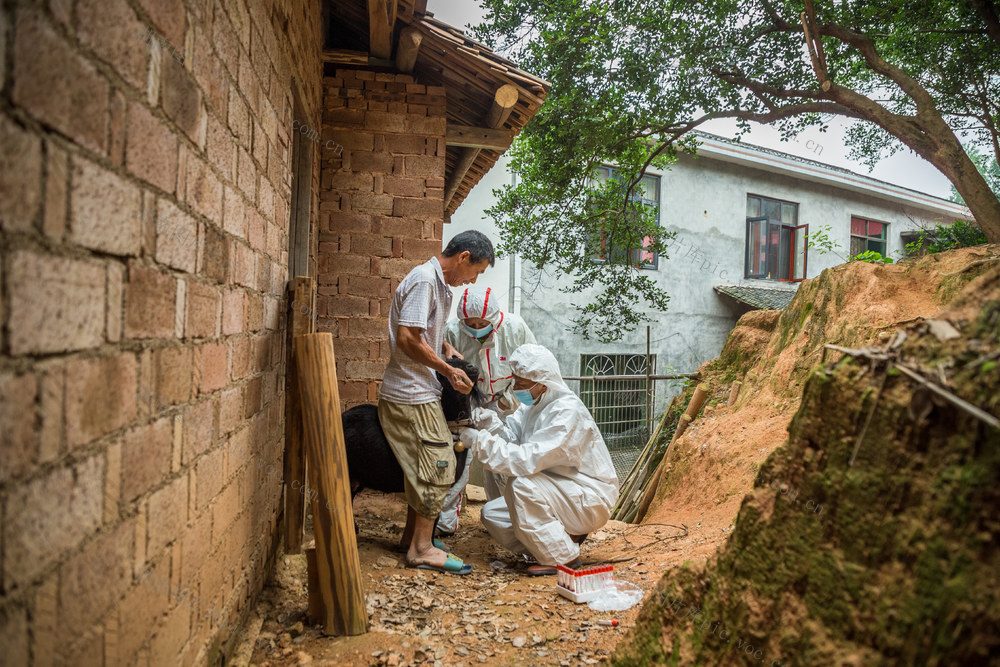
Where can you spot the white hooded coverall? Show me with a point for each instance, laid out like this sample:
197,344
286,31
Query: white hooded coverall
561,480
490,354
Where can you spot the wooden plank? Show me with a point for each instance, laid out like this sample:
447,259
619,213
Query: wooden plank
345,57
300,321
338,567
407,49
379,29
466,136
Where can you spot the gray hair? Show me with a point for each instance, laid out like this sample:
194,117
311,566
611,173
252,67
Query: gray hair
480,248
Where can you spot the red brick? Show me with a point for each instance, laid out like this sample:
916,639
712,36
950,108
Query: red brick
367,245
251,398
347,180
173,375
100,396
367,161
436,182
182,99
168,508
208,477
168,16
170,636
224,511
44,64
199,429
149,304
151,148
56,190
176,237
240,352
52,393
255,229
349,139
211,366
349,118
344,222
112,30
397,267
367,286
246,174
383,121
239,117
17,419
421,248
234,216
215,254
230,409
233,311
195,543
94,579
421,209
220,148
404,143
20,177
204,191
138,610
202,311
373,370
369,327
245,265
399,227
35,535
404,187
56,304
423,166
105,210
146,458
435,126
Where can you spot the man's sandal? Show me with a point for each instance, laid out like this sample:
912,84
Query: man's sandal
452,565
400,549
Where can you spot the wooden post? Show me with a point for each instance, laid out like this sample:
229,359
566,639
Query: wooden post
407,49
314,611
338,567
379,28
647,497
300,322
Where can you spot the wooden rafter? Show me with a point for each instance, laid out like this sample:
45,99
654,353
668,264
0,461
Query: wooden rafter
379,28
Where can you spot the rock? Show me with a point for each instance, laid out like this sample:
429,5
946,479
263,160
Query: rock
386,561
519,641
475,494
295,629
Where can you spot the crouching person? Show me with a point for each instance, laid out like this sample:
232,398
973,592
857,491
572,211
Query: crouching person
561,484
409,406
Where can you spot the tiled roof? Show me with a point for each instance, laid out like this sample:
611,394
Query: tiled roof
762,298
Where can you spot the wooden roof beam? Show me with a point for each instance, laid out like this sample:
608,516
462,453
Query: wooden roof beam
478,137
379,28
504,101
407,49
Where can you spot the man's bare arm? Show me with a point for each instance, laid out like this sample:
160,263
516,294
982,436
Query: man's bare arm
413,345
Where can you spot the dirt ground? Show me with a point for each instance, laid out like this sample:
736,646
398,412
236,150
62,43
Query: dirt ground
497,615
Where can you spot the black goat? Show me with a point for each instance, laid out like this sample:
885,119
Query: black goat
371,463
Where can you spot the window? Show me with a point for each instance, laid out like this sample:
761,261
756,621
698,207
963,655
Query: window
618,405
868,235
647,192
776,243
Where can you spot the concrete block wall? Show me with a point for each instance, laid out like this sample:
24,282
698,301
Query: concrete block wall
144,207
381,211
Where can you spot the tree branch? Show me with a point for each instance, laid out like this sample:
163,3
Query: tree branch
988,12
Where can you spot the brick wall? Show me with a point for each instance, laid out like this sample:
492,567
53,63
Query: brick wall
144,207
381,211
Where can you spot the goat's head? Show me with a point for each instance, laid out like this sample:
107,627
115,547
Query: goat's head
456,406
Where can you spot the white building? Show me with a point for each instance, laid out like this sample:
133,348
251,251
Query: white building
741,214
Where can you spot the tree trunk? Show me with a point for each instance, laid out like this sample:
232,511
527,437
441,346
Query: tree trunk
983,203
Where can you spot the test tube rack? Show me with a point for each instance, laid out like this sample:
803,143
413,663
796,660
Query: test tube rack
583,585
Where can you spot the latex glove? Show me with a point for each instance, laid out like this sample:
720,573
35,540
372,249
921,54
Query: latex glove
487,420
468,436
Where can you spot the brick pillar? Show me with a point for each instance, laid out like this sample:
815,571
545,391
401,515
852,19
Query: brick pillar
381,211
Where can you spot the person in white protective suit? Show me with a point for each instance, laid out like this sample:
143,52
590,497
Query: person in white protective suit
561,483
485,336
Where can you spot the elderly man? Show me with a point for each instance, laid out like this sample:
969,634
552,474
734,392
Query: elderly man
486,336
409,406
561,483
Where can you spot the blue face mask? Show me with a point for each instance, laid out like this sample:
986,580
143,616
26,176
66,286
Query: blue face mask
479,333
524,395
